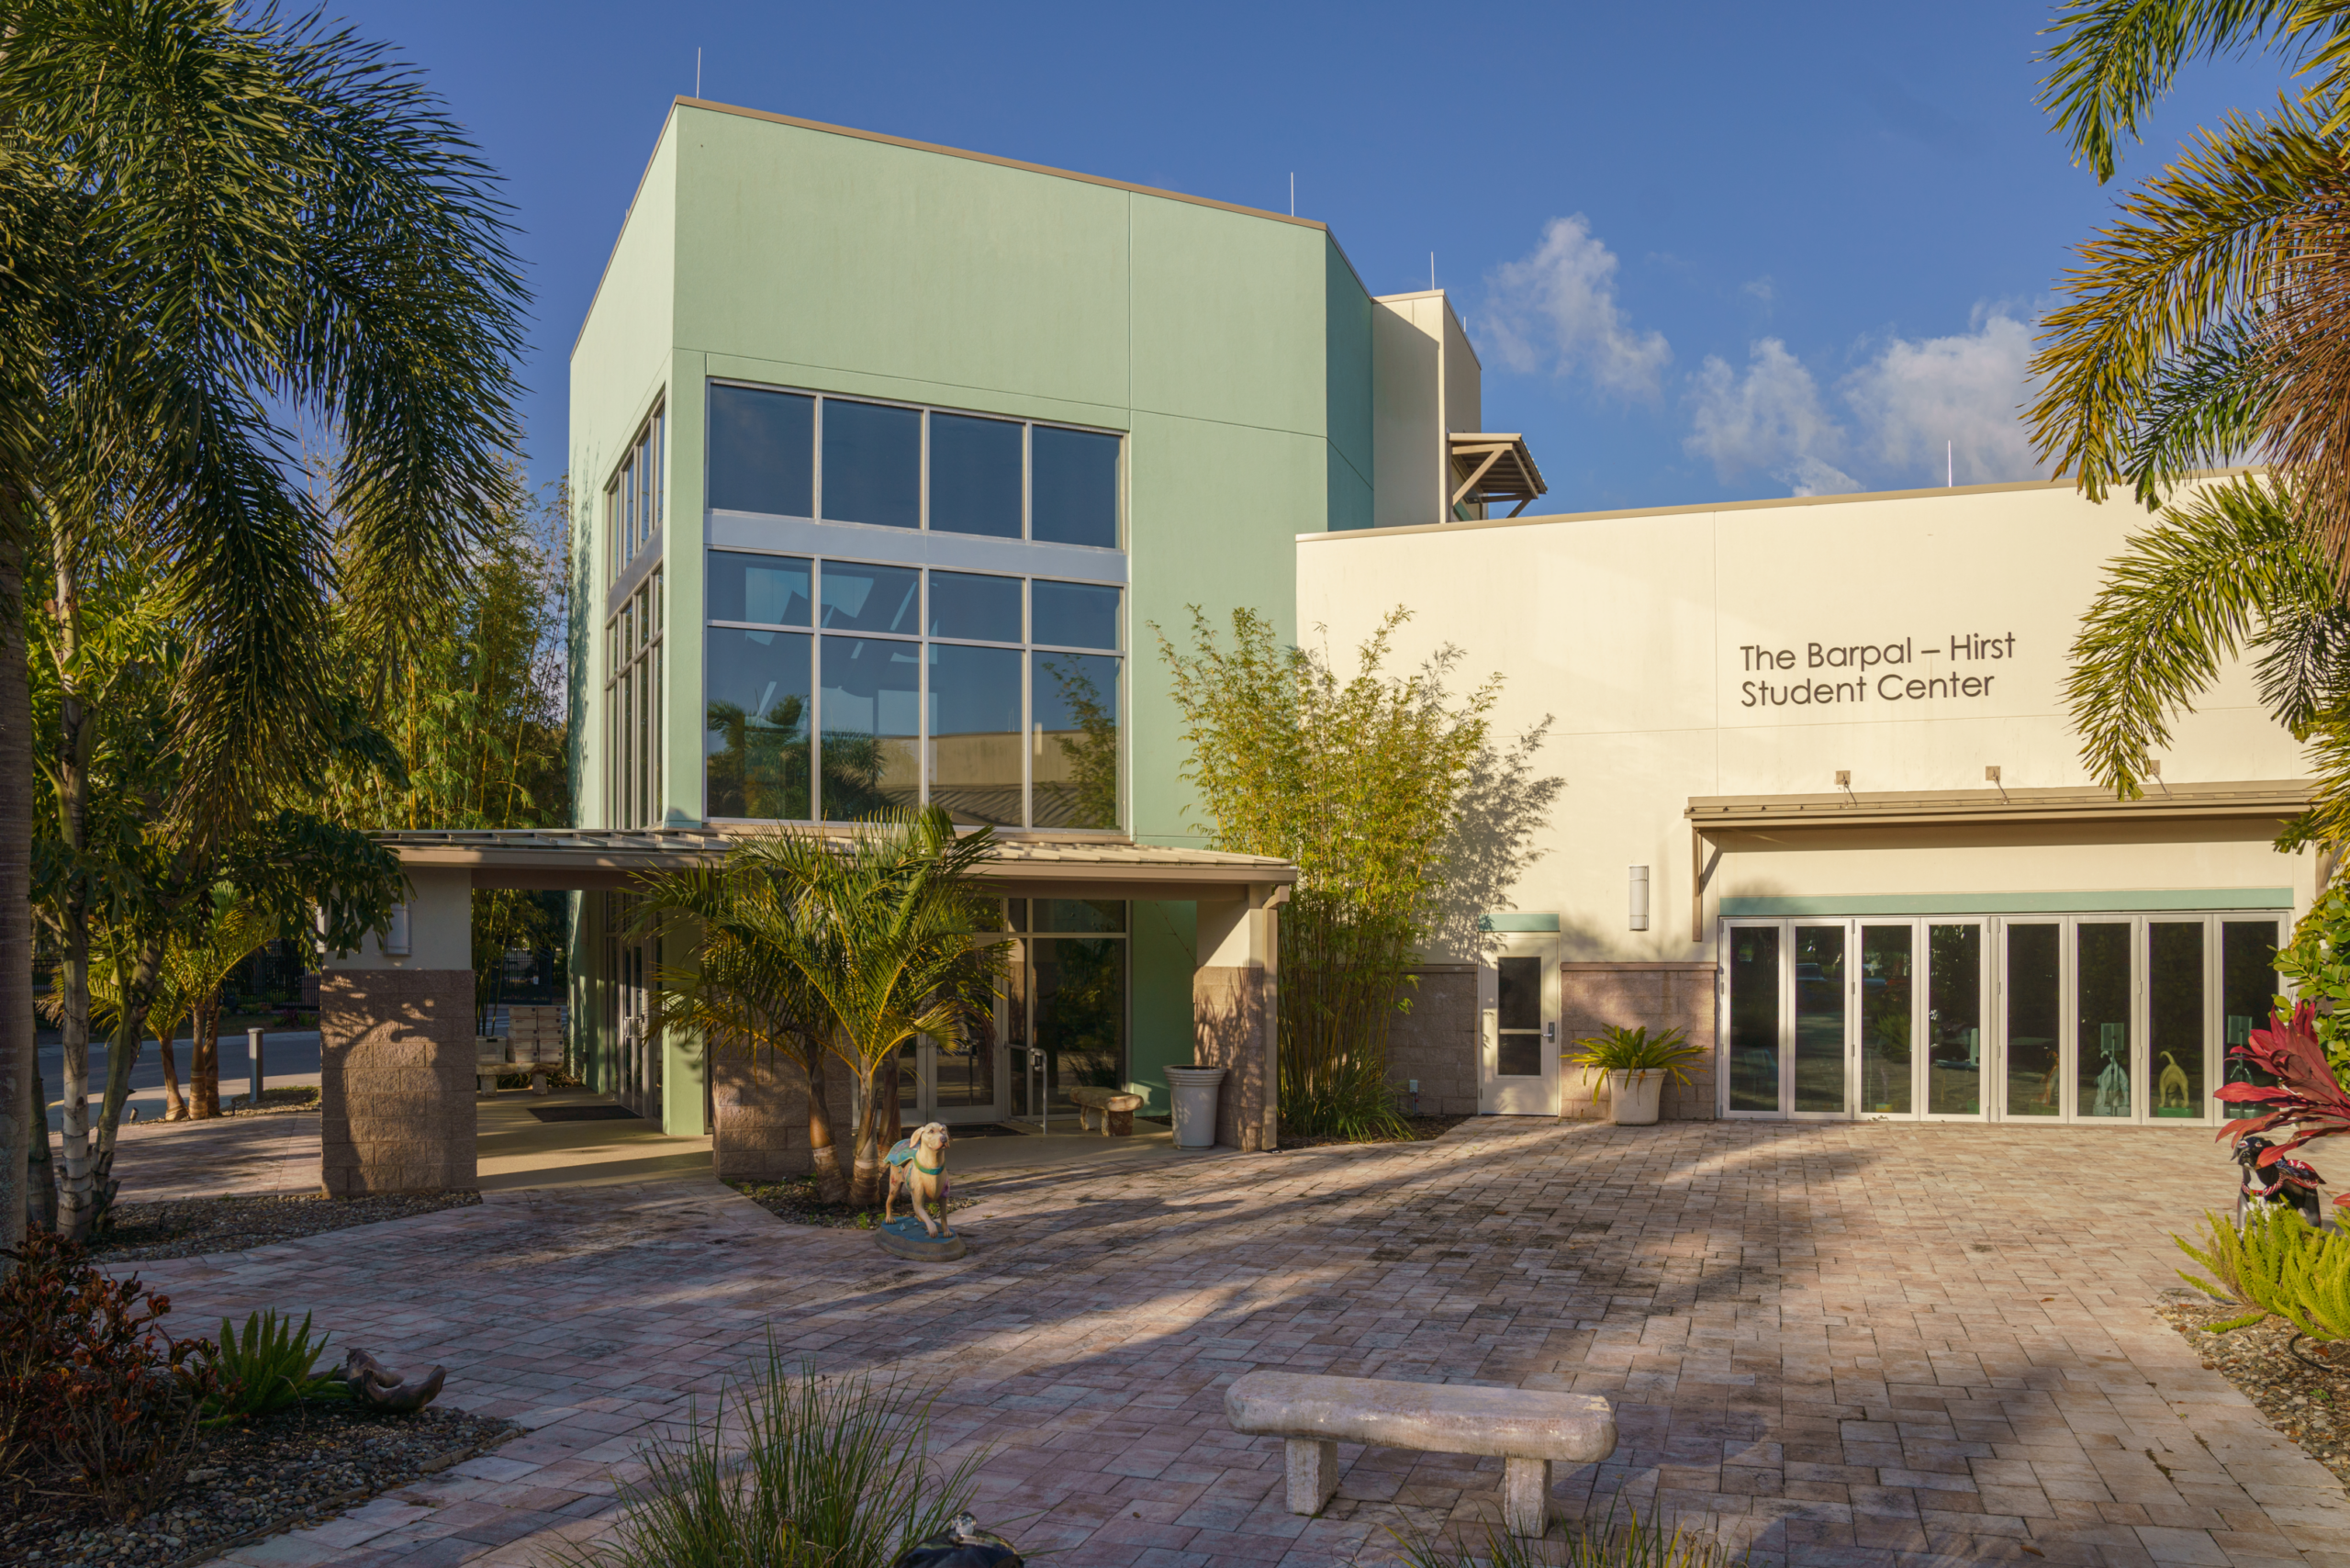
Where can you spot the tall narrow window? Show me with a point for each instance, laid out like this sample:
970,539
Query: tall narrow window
633,743
632,502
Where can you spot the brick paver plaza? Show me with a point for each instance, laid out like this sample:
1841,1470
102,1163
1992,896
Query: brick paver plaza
1841,1344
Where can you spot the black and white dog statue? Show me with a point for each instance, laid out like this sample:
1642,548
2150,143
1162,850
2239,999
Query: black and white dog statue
2283,1181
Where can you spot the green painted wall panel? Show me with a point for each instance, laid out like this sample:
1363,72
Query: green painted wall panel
815,248
1228,318
1347,361
2123,900
1166,947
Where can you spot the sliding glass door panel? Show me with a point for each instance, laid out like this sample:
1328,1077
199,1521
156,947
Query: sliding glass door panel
2103,988
1888,1005
1820,1019
2176,1017
1753,1018
1954,1035
2035,1021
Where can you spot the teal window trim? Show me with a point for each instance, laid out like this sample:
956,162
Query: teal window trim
2120,900
1516,922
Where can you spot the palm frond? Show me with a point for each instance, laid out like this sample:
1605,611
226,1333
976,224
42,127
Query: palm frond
2192,592
2114,58
2206,408
2199,249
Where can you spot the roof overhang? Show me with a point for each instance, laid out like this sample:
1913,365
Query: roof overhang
1491,468
1022,867
2267,801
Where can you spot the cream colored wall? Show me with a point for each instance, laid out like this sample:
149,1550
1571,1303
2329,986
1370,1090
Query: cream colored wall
440,926
1426,382
1627,632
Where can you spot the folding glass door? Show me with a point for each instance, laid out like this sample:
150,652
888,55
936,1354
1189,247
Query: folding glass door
2097,1018
1846,1017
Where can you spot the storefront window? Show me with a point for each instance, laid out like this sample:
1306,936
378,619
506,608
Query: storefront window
1753,1018
1887,1004
932,689
2247,997
2175,1017
2101,1055
2035,1021
1954,1020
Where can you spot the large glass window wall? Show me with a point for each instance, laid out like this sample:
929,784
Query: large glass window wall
835,689
2096,1018
777,453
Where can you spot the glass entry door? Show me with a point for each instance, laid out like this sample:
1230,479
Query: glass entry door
1517,1002
1841,1018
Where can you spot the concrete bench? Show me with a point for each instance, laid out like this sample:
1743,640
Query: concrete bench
1528,1429
1115,1108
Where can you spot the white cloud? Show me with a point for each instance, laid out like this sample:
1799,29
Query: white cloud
1909,398
1760,288
1556,310
1964,390
1770,419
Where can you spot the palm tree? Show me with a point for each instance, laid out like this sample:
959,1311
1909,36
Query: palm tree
888,936
2202,328
213,221
744,992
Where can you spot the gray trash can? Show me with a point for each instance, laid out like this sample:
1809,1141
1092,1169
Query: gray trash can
1193,1090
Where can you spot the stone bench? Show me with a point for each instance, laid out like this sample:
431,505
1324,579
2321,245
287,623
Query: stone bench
1530,1430
1115,1108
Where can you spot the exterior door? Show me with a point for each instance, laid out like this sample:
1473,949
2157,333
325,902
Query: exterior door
1517,1007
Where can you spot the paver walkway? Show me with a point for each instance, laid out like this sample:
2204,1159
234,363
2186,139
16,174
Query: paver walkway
1841,1344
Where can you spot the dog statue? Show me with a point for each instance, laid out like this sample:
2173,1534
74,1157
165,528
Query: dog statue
918,1164
2175,1090
2283,1180
962,1545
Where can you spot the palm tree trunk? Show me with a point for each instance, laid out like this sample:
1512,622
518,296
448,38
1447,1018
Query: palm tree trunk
75,1202
823,1155
204,1059
40,1203
865,1169
174,1106
18,1062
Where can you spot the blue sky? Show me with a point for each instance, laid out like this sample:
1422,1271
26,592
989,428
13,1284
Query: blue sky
1708,252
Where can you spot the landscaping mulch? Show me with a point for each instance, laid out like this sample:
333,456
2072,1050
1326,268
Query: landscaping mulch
275,1102
2308,1403
794,1199
190,1227
301,1466
1425,1129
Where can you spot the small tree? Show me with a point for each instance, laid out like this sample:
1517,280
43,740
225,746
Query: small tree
1359,782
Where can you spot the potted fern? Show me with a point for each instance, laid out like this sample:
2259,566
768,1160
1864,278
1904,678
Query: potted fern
1635,1067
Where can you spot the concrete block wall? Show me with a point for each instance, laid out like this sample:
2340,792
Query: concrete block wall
1436,1042
761,1131
1595,996
1230,1027
395,1082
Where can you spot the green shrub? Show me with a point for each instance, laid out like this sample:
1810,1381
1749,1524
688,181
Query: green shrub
832,1472
270,1366
1643,1543
1618,1049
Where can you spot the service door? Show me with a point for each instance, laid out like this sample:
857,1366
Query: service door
1517,1012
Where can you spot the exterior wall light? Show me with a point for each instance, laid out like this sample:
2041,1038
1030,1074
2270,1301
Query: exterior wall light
1639,898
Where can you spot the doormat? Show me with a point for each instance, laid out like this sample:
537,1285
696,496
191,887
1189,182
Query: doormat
585,1113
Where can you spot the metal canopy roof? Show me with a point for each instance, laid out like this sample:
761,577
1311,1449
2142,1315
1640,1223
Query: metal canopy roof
1493,468
1024,867
2271,800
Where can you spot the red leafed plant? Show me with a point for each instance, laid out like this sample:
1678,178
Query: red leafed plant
2307,1100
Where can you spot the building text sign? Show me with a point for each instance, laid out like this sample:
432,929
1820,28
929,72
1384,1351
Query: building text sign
1823,674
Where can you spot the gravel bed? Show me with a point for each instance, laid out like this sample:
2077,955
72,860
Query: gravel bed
189,1227
2308,1403
301,1466
1425,1129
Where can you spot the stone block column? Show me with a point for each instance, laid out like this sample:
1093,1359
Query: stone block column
1657,996
396,1057
1235,1013
761,1131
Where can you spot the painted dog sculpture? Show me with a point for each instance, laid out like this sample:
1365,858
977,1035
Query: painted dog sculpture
918,1164
2285,1181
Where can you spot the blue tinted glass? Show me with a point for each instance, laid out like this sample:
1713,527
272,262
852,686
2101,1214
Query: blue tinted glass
872,712
1081,914
1074,705
1073,492
871,598
762,451
974,476
770,589
872,464
986,610
975,734
1075,615
755,760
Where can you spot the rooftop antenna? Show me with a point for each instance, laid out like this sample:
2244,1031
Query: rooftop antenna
1431,272
1950,470
1293,192
697,70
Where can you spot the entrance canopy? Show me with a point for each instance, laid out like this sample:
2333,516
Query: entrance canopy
1024,867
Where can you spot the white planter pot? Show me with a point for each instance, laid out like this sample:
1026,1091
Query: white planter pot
1193,1092
1632,1097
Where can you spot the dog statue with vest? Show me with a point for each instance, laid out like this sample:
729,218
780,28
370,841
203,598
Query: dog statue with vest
918,1165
